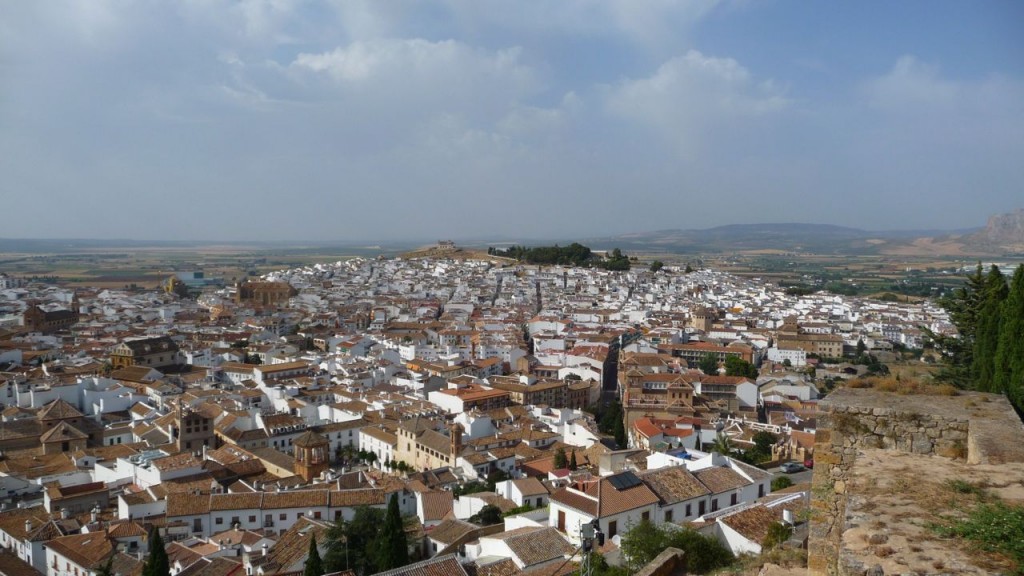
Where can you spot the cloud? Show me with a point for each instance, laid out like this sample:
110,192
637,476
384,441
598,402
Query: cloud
694,98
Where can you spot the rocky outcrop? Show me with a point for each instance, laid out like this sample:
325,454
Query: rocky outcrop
1004,230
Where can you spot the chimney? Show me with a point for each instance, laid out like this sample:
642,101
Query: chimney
65,513
265,547
28,525
94,515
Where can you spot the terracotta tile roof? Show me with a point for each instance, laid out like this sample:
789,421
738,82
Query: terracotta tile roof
447,565
753,522
361,497
187,504
450,530
720,479
503,567
295,499
290,551
674,484
59,410
535,545
11,565
242,501
13,521
86,550
61,432
436,504
530,486
219,566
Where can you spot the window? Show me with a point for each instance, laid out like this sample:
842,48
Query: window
760,490
701,508
613,529
234,520
645,516
688,510
732,500
668,515
283,516
252,518
218,521
714,504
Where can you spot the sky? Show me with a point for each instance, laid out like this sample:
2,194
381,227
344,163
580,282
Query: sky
377,120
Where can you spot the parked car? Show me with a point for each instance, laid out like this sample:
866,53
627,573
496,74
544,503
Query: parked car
791,467
809,463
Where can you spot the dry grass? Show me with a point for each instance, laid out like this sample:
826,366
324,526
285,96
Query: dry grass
903,386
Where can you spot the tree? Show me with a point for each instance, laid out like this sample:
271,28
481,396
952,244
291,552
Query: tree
736,366
787,362
644,541
722,444
560,459
573,465
355,544
107,568
861,347
393,551
487,516
987,331
709,364
1009,357
963,304
157,563
777,534
620,432
688,270
314,566
657,265
494,477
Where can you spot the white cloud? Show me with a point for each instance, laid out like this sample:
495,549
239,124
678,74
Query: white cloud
694,98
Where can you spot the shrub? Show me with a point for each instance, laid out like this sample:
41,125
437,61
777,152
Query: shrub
781,482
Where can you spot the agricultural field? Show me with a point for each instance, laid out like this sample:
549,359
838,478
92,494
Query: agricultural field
147,266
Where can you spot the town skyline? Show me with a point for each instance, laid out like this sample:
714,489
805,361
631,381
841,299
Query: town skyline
278,121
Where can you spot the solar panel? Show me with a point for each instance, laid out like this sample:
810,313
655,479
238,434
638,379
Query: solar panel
624,480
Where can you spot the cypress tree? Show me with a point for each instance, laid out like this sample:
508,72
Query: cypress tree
573,465
393,551
314,566
987,332
560,460
1009,357
157,563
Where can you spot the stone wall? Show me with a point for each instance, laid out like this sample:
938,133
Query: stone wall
965,427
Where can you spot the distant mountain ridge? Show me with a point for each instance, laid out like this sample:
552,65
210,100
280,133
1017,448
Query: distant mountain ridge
1004,234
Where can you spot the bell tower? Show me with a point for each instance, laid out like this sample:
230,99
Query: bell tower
311,455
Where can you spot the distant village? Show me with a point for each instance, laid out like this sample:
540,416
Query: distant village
513,412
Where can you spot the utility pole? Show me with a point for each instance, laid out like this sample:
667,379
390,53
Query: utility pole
589,532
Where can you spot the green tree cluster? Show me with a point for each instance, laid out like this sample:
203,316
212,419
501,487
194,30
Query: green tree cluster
657,265
988,356
644,541
611,420
373,541
709,364
736,366
574,254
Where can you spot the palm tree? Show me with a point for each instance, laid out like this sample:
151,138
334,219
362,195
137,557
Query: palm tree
722,444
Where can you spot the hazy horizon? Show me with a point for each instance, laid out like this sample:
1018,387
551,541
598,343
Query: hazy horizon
376,121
